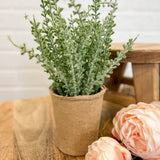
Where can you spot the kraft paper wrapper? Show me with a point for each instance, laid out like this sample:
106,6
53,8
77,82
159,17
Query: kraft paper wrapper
77,121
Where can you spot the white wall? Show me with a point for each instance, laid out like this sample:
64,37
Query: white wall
21,78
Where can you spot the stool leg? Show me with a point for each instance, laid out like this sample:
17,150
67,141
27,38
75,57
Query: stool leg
146,82
114,81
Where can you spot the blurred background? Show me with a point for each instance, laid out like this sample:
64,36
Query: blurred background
22,78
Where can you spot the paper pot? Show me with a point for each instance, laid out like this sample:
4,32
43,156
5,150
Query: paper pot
77,121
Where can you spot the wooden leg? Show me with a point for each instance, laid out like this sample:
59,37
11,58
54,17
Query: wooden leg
114,81
146,82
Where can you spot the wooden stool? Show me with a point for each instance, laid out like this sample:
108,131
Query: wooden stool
145,59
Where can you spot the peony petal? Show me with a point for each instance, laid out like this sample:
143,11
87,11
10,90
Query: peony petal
107,148
137,126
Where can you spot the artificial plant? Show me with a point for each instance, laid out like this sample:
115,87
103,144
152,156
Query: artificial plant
75,51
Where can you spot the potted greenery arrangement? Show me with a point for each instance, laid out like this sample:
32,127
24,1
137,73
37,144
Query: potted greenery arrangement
76,55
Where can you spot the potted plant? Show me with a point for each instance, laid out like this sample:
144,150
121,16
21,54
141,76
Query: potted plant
76,55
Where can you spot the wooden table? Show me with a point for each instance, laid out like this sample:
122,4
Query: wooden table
27,129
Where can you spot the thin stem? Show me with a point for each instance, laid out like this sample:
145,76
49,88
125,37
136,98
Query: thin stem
13,42
73,76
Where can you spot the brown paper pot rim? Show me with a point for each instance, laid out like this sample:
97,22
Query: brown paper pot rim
80,97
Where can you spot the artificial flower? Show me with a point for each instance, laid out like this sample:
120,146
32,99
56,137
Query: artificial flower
107,148
156,104
138,127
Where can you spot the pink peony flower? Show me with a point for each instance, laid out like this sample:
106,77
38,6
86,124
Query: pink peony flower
156,104
107,148
138,127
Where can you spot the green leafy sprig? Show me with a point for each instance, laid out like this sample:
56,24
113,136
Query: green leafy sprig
75,52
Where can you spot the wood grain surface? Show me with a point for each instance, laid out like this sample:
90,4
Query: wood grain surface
119,98
27,129
7,140
142,53
146,82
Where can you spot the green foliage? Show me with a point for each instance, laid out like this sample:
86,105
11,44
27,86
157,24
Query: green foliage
75,52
